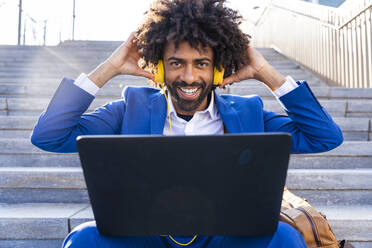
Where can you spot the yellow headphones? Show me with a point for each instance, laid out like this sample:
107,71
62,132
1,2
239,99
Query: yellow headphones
160,76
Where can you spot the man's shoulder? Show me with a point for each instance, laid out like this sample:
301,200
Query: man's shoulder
139,91
236,99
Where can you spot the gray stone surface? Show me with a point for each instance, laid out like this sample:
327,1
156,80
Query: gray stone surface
339,92
355,136
30,113
113,91
331,106
360,106
27,195
81,217
2,104
31,243
18,146
257,89
41,178
39,160
54,82
331,162
353,124
359,115
351,148
357,179
344,220
36,221
72,178
12,90
334,105
351,223
362,244
335,197
19,122
8,134
32,104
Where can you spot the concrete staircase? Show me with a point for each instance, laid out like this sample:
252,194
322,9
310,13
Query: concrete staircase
43,195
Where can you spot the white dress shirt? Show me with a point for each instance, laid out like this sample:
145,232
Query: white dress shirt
205,122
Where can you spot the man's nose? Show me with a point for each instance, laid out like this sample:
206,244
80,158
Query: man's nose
188,76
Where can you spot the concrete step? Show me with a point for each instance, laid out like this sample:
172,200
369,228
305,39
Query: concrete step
319,92
336,108
82,52
33,78
50,71
354,129
66,185
46,225
54,82
114,88
22,69
18,152
42,185
36,225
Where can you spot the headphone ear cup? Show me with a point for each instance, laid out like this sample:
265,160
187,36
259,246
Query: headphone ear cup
218,76
159,74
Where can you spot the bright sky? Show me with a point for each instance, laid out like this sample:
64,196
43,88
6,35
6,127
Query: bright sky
95,19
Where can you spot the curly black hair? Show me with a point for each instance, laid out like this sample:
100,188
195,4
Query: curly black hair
199,22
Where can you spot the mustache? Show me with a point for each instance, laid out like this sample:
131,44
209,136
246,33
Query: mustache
184,84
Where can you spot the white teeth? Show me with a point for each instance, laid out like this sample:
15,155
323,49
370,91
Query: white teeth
189,91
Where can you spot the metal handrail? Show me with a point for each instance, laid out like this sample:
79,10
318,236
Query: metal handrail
308,16
354,17
36,22
333,43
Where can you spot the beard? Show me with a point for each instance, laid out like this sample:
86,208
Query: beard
189,105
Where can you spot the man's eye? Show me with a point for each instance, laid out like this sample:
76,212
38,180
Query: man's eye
175,64
202,64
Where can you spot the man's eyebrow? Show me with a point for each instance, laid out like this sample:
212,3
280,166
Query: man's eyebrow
202,59
175,58
197,60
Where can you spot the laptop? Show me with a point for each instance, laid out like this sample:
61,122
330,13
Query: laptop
185,185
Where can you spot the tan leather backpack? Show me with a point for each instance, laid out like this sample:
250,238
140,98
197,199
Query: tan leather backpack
309,222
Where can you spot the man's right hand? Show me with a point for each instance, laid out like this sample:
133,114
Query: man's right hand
123,61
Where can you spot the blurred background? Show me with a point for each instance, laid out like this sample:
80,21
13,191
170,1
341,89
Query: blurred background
52,21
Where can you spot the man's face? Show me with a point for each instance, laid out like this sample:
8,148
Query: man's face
188,76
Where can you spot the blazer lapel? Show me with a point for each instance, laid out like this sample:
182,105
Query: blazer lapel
158,113
229,115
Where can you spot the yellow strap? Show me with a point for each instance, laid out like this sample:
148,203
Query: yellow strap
166,98
171,132
178,243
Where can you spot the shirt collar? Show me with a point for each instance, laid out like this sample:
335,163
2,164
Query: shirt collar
211,110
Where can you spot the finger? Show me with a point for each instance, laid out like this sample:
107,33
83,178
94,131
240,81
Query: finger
230,80
140,51
130,41
146,74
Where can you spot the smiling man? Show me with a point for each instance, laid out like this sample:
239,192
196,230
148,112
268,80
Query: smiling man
192,38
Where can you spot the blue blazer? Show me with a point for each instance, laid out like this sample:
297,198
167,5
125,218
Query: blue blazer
143,110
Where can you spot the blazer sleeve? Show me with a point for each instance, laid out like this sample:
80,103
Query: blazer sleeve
311,127
64,120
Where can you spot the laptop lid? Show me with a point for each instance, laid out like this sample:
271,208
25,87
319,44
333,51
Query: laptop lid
185,185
